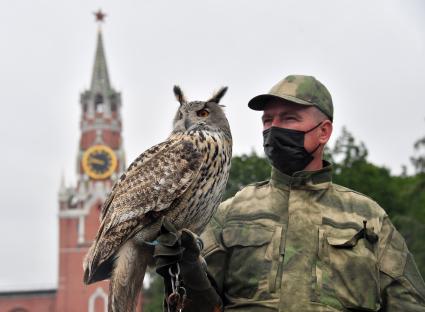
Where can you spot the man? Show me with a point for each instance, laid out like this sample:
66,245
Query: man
298,242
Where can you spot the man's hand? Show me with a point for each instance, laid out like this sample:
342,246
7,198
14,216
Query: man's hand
184,248
169,250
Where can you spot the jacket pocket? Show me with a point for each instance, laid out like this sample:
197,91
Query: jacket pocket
248,266
346,273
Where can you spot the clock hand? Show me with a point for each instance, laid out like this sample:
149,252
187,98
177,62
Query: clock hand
96,161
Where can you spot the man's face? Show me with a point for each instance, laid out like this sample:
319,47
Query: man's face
289,115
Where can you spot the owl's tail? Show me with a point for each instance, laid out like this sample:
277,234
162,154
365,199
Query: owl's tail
127,277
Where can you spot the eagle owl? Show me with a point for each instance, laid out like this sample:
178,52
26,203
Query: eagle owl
182,179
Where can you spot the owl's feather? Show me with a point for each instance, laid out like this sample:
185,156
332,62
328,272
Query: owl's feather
179,95
132,170
151,186
218,95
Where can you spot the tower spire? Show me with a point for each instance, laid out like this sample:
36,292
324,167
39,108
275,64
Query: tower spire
100,78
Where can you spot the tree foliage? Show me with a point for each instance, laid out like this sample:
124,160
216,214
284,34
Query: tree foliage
153,295
246,169
419,160
346,151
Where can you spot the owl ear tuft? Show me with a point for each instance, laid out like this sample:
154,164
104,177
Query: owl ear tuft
218,95
179,95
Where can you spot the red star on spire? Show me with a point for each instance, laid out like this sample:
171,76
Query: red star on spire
100,16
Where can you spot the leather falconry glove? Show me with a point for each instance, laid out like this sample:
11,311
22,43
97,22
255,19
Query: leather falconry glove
184,248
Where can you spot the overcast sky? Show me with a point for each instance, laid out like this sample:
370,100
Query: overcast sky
370,55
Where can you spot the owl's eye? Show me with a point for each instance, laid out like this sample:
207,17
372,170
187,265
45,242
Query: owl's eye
202,113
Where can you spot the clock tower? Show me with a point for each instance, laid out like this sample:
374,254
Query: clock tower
100,161
101,156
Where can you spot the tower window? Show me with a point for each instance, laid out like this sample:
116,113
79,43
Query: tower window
114,107
113,100
98,103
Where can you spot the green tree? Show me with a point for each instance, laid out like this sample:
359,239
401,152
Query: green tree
418,191
347,151
154,294
419,161
413,232
246,169
352,170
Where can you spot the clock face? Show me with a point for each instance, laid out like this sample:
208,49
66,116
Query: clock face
99,162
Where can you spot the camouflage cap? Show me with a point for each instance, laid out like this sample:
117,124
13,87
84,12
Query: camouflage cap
299,89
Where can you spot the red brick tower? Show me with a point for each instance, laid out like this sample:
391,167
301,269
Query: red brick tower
100,160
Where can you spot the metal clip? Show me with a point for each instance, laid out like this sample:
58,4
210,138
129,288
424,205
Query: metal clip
175,301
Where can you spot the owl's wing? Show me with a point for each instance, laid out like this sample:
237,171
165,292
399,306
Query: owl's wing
133,170
153,186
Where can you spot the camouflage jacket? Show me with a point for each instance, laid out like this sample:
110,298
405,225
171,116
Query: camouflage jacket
302,243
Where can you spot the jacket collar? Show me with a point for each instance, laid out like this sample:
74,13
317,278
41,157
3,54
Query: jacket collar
303,178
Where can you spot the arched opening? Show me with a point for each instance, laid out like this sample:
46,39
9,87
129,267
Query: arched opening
98,301
113,107
98,103
113,100
99,305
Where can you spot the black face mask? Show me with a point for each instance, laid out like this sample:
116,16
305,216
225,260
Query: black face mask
285,149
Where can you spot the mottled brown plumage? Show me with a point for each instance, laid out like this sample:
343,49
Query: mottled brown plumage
182,178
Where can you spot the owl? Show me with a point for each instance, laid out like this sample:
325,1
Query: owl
182,179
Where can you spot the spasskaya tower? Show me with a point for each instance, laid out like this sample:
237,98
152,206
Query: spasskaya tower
100,160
